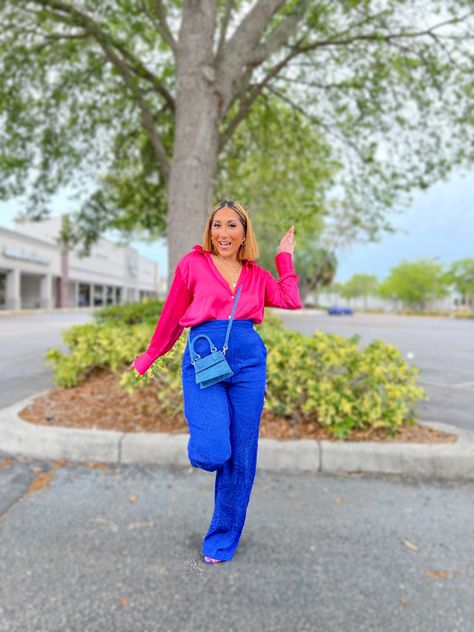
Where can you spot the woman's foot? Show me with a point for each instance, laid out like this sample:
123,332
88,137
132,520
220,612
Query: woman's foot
211,560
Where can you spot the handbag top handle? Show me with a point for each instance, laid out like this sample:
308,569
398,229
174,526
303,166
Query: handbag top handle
226,341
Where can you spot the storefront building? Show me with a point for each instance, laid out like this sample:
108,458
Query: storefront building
35,272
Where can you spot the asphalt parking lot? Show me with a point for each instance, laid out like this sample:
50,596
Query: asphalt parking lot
99,549
443,348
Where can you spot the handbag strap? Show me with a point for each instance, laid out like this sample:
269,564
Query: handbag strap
229,326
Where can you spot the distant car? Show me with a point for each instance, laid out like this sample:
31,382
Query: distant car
340,310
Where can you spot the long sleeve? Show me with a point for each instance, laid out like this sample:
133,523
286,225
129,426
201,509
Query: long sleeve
168,329
283,293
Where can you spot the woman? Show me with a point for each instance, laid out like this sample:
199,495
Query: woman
224,418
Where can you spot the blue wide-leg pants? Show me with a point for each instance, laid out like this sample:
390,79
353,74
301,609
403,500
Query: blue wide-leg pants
224,421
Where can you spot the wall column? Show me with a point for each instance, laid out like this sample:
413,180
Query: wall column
12,294
45,291
76,294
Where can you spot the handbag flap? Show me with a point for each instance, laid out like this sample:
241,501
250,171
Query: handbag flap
210,360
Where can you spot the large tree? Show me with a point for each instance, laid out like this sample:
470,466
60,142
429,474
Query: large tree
360,285
145,97
415,283
461,276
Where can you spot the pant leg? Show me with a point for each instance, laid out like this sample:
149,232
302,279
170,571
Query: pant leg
207,413
235,478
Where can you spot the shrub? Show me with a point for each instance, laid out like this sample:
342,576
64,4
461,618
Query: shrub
327,378
131,313
324,377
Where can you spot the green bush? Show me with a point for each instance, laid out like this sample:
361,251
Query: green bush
131,313
327,378
463,314
324,377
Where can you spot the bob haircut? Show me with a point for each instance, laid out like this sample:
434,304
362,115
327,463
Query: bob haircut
250,249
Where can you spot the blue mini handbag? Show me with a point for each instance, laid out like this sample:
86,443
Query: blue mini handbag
213,368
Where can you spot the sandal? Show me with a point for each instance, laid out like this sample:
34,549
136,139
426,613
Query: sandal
211,560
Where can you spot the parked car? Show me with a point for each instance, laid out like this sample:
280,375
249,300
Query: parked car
340,310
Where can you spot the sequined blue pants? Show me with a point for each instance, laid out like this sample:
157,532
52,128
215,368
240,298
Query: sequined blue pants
224,421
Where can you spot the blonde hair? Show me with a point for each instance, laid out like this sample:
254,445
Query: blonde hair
250,248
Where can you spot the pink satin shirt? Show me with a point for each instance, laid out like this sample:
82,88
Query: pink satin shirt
199,292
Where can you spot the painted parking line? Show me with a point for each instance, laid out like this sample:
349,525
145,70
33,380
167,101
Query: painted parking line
443,385
464,385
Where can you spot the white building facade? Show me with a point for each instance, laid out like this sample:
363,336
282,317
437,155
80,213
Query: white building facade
36,273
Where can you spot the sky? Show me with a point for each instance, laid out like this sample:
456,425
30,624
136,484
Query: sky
438,224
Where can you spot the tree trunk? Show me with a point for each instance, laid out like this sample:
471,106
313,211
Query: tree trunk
194,163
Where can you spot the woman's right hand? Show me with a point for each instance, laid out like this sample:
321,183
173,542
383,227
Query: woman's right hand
131,367
287,243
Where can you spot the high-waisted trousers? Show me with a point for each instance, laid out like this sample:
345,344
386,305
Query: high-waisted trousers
224,422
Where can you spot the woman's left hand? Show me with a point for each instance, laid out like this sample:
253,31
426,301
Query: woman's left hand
287,244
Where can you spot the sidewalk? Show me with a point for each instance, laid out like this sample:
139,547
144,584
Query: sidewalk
452,461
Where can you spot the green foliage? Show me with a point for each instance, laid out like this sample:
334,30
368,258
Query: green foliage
373,98
360,285
280,178
415,283
324,378
461,276
129,313
316,267
109,345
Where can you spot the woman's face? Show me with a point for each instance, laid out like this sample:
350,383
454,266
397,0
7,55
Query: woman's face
227,233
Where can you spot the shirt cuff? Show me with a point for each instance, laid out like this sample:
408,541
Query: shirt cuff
284,263
143,362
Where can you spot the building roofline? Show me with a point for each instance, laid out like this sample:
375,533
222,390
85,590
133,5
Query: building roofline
8,232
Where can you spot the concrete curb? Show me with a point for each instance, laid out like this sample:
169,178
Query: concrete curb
454,461
48,310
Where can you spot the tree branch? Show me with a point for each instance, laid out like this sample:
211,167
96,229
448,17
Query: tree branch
249,99
243,52
224,26
375,37
278,36
163,26
316,121
246,37
147,116
86,22
93,29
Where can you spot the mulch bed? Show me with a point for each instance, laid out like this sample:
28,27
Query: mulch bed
100,402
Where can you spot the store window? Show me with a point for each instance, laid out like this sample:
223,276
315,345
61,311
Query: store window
3,290
109,295
98,295
84,298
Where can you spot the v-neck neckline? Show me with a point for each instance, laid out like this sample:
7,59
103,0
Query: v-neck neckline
223,279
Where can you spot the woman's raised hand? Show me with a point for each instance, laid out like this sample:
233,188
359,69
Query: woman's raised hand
287,243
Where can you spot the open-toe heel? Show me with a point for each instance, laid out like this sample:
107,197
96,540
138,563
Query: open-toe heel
211,560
